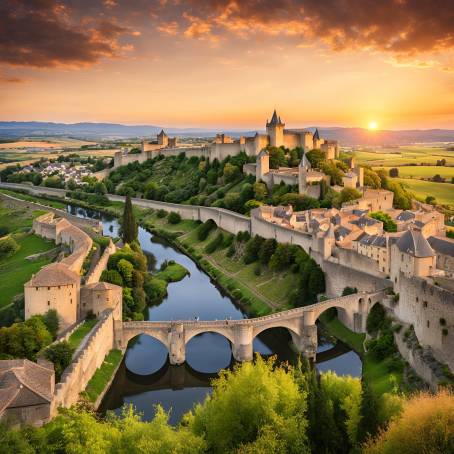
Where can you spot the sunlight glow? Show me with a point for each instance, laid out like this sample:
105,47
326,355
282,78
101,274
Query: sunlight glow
373,125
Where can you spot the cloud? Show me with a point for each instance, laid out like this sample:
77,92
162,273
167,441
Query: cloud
399,27
46,33
4,79
169,28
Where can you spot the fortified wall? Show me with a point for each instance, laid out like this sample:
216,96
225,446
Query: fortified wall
89,357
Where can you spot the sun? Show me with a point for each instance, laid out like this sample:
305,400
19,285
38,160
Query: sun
373,125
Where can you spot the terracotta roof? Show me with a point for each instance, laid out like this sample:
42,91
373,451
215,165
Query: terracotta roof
19,375
413,242
53,275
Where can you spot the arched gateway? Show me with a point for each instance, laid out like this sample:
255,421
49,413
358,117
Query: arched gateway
301,323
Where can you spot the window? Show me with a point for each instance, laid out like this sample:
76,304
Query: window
428,324
59,287
424,304
36,288
48,303
48,288
71,300
417,299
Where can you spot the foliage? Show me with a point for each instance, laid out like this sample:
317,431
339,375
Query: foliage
299,202
426,424
346,195
231,172
50,319
277,157
388,223
315,157
394,172
234,417
60,354
129,224
267,250
24,339
215,243
349,291
260,191
8,247
125,268
112,276
155,288
172,272
174,218
253,246
371,178
204,229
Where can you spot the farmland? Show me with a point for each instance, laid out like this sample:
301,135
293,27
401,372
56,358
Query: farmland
424,172
443,192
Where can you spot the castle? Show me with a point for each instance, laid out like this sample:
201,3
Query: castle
59,286
224,145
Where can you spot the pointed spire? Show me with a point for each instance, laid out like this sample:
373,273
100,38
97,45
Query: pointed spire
275,120
162,133
316,134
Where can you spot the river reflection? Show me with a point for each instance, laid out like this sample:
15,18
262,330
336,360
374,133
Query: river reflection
146,378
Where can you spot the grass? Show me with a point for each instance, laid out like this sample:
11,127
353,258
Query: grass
76,337
443,192
103,374
424,172
31,198
404,155
15,271
173,272
376,373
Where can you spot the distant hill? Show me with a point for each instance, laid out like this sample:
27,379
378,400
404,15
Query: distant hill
99,131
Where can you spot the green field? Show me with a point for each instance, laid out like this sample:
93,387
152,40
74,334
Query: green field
443,192
423,172
403,155
15,270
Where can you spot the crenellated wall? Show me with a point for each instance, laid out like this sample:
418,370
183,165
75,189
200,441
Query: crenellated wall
101,265
89,357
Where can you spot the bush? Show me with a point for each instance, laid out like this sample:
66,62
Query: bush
8,247
60,354
161,213
174,218
112,276
50,319
205,229
215,244
258,270
425,425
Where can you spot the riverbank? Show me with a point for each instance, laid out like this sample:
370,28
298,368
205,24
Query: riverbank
259,292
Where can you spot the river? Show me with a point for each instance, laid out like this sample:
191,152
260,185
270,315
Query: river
145,377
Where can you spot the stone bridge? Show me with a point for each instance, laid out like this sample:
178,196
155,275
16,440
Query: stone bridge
301,323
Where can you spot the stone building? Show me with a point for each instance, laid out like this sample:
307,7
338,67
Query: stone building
26,391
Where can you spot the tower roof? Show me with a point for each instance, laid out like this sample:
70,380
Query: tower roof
316,134
305,162
162,133
413,242
275,120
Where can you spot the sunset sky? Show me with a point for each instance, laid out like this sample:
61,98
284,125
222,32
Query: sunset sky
228,64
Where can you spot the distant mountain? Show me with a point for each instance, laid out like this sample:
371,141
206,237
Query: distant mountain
99,131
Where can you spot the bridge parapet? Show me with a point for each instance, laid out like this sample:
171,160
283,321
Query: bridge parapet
300,322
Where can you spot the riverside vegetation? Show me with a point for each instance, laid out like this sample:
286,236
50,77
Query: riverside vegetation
291,410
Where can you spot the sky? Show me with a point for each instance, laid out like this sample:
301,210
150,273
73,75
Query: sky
228,64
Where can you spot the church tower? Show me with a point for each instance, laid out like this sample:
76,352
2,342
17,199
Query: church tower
275,130
163,139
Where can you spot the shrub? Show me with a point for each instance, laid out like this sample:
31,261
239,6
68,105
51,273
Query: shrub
126,268
231,250
161,213
8,247
258,270
50,319
205,229
174,218
215,244
60,354
349,291
112,276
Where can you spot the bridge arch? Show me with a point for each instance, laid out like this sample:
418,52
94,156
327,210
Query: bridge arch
289,325
161,335
224,332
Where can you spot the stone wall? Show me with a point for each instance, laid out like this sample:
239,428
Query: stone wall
430,309
90,356
96,272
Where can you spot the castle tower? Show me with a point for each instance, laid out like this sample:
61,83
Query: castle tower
263,165
275,129
303,169
316,140
163,139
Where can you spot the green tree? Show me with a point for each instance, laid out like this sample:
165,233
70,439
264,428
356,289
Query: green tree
231,172
316,157
277,157
260,191
129,225
233,416
174,218
125,268
112,276
388,223
252,249
60,354
51,321
267,250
